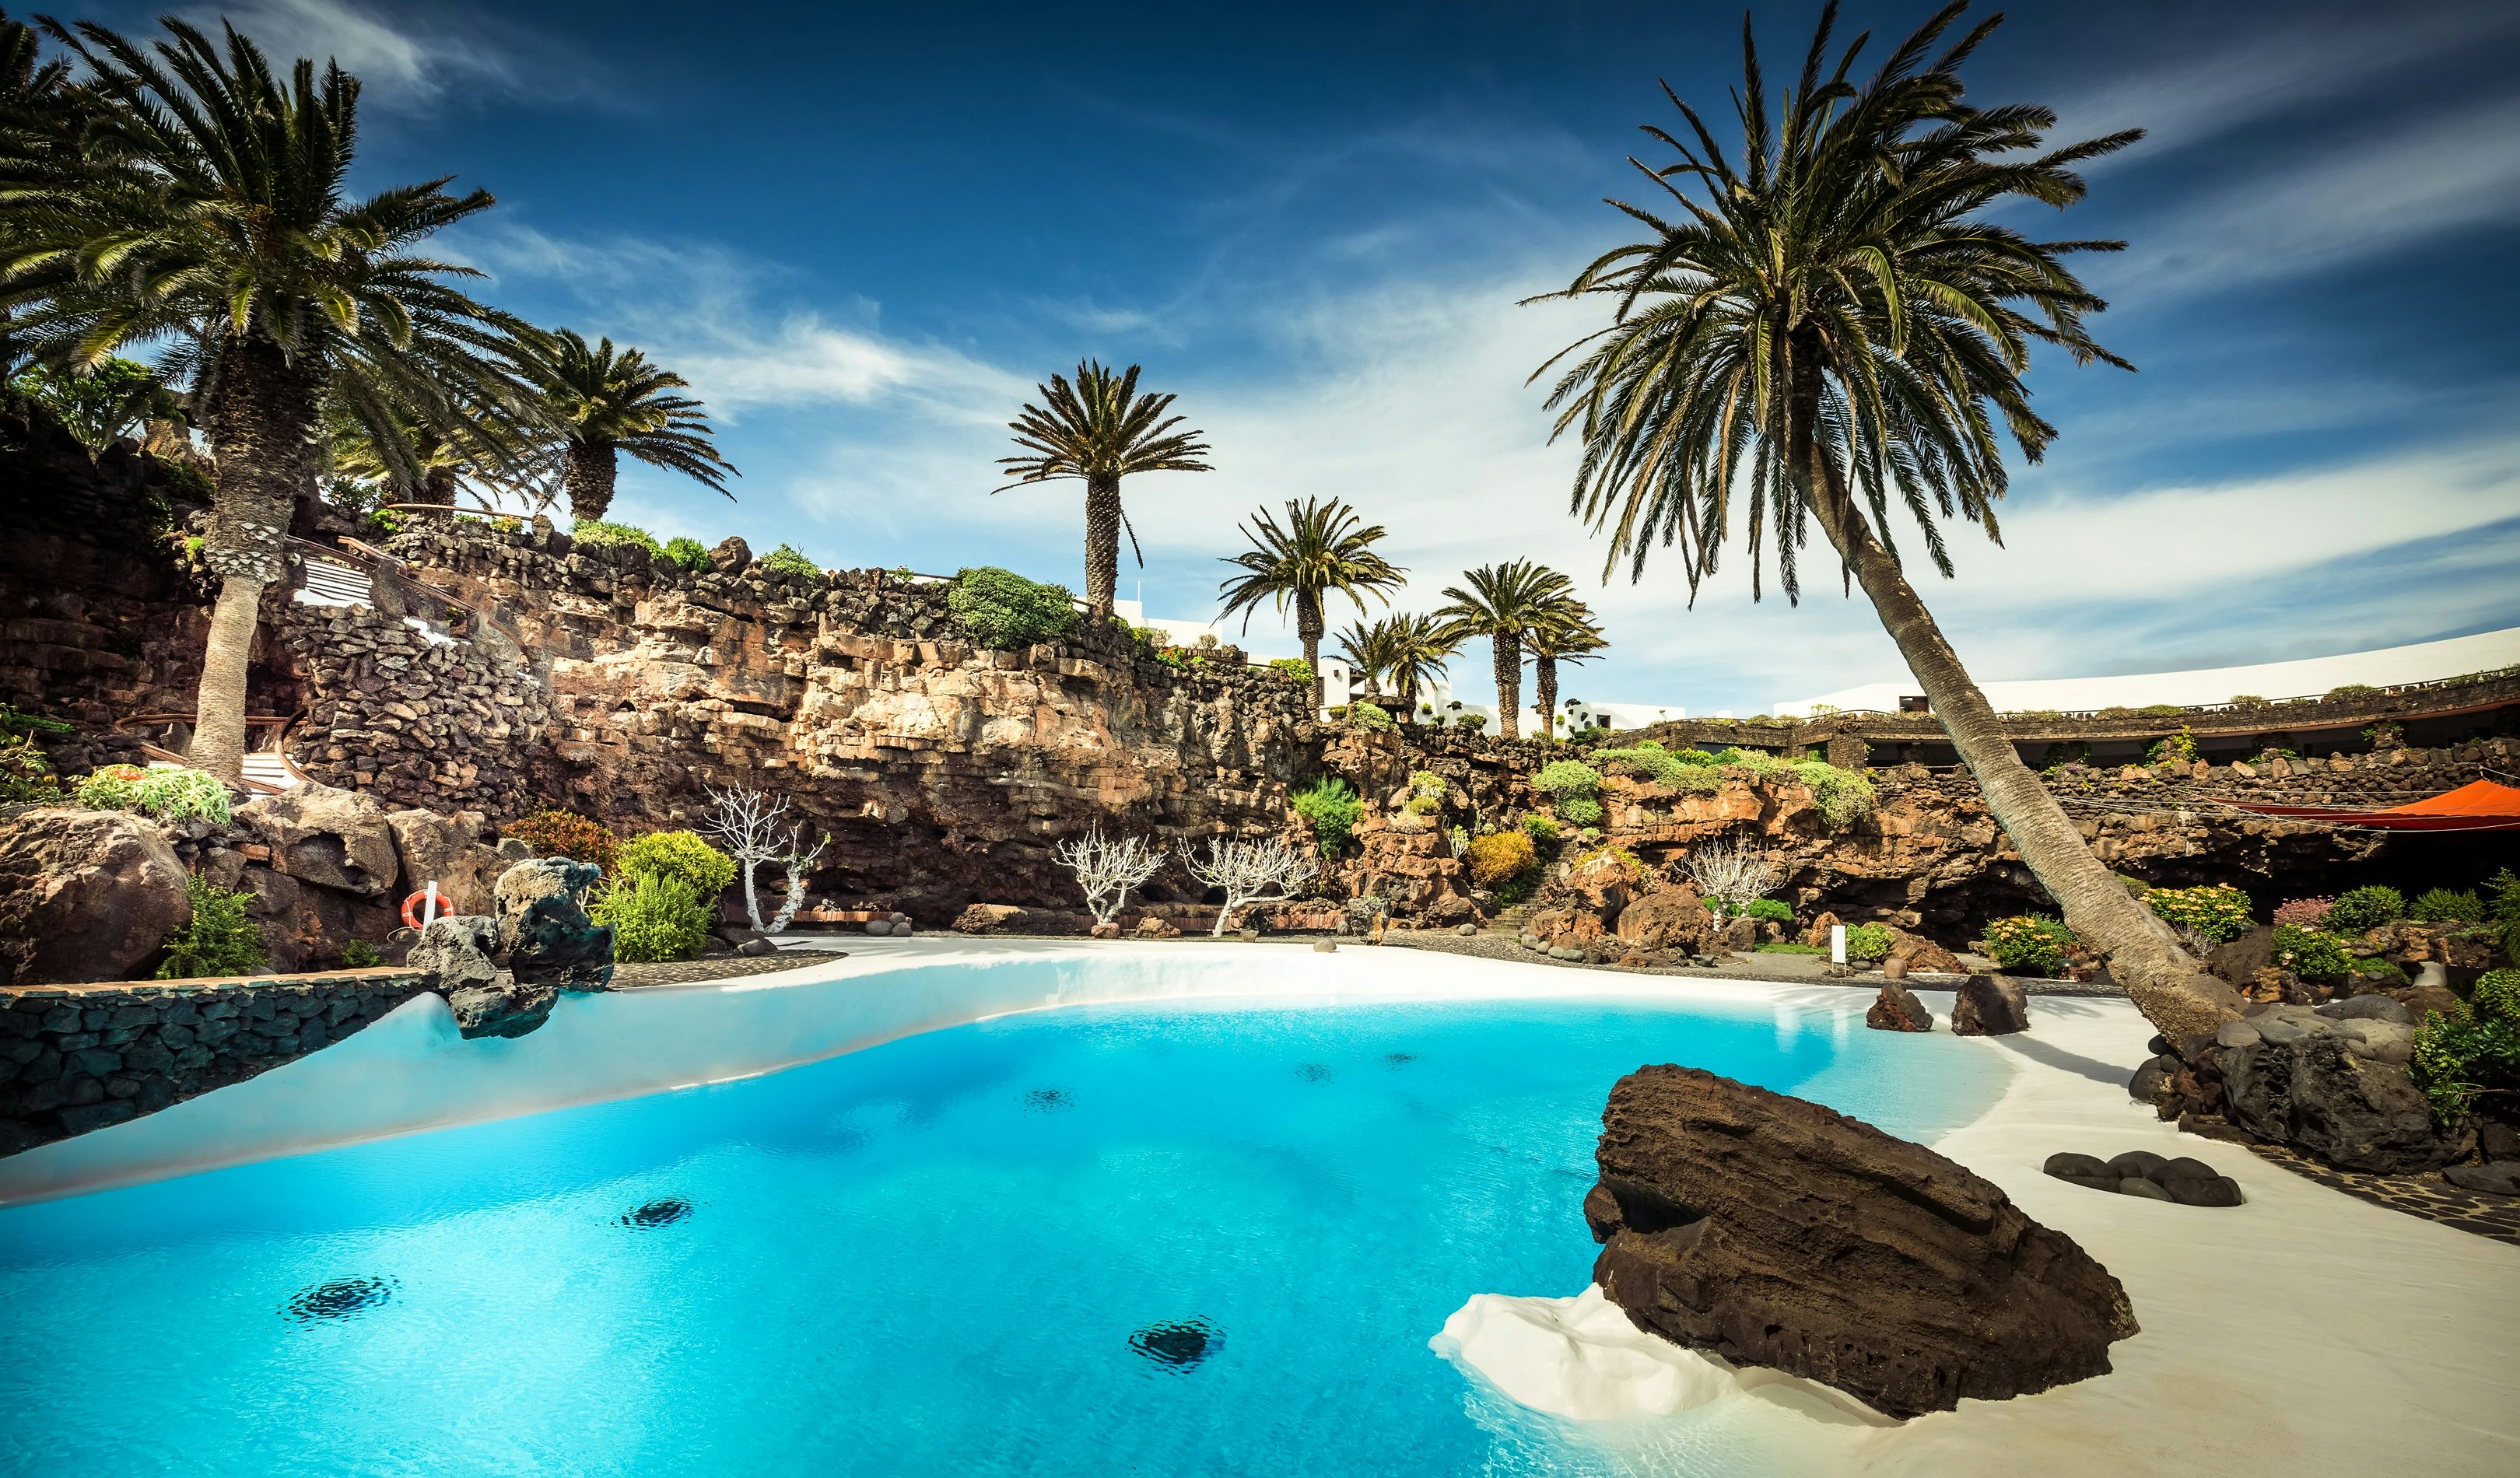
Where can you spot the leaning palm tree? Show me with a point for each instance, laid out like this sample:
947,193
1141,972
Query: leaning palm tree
1505,603
1100,430
1323,549
1835,326
1366,646
1570,635
604,403
218,221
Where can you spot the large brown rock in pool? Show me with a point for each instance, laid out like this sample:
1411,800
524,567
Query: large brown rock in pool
544,929
1773,1232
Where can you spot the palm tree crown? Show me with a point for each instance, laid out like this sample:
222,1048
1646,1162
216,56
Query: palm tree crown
1835,324
1411,650
212,212
1100,430
1571,634
1323,549
603,401
1505,603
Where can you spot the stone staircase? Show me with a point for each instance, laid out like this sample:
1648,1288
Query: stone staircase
1510,921
330,582
266,767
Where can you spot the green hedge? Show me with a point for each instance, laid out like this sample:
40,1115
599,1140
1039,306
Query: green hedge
1001,609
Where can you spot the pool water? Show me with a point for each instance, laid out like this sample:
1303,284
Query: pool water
1175,1239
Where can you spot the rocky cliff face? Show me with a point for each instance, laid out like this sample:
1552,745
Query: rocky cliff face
942,770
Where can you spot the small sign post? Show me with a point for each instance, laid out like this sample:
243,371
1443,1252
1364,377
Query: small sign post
428,912
1838,944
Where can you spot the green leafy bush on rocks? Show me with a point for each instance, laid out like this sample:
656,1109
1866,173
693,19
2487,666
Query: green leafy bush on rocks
170,794
2311,954
679,854
2502,909
2365,909
1003,609
1649,761
1371,717
2172,749
26,773
687,551
1770,910
2477,1051
788,559
2495,996
599,533
1869,943
1541,831
2442,906
220,941
2217,910
1294,670
2031,942
655,917
1333,808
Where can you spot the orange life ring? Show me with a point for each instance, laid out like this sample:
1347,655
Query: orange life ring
412,905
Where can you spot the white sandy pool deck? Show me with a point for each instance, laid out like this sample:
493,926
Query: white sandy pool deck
2305,1333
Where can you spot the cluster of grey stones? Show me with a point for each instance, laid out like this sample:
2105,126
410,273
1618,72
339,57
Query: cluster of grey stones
501,974
74,1059
2141,1174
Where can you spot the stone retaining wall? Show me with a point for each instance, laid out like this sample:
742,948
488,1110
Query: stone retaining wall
78,1058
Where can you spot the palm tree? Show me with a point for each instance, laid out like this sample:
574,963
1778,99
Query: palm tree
1836,321
40,117
1366,646
1100,430
604,402
1505,603
1324,549
219,222
1417,648
432,457
1571,635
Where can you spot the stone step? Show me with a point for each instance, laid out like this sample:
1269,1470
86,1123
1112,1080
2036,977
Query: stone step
329,582
270,768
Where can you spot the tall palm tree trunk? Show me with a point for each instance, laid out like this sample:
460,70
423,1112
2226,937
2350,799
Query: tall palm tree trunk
261,429
1101,543
2161,979
1309,627
1509,680
438,485
588,479
1543,682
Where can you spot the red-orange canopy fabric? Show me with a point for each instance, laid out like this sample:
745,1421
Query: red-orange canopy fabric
2477,806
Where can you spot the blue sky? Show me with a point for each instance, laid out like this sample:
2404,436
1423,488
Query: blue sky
865,233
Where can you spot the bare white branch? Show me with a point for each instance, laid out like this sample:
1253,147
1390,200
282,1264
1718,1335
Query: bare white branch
752,826
1263,870
1107,868
1730,874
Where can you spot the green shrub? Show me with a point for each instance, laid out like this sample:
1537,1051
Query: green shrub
1582,810
170,794
2365,909
2457,1058
1333,808
655,917
2160,710
2495,996
1500,857
1294,670
1475,723
687,551
2172,749
17,719
1770,910
1424,805
1428,782
220,940
2376,974
1844,796
1371,717
2311,954
788,559
26,773
359,955
566,833
1869,943
1565,778
2217,910
2442,906
596,534
1003,609
2032,942
2248,701
2354,690
2503,908
679,854
1541,831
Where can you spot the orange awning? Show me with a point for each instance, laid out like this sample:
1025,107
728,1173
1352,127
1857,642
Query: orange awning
2478,806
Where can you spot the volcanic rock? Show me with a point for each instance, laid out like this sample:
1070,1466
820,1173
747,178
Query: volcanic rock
85,895
1922,953
1666,919
1989,1006
1775,1231
543,926
1899,1010
2238,961
332,839
2336,1089
448,850
488,1001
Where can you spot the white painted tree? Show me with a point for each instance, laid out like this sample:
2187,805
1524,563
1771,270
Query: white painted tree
1106,868
752,826
1730,874
1262,871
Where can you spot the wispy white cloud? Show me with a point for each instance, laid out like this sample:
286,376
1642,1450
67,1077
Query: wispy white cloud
404,58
